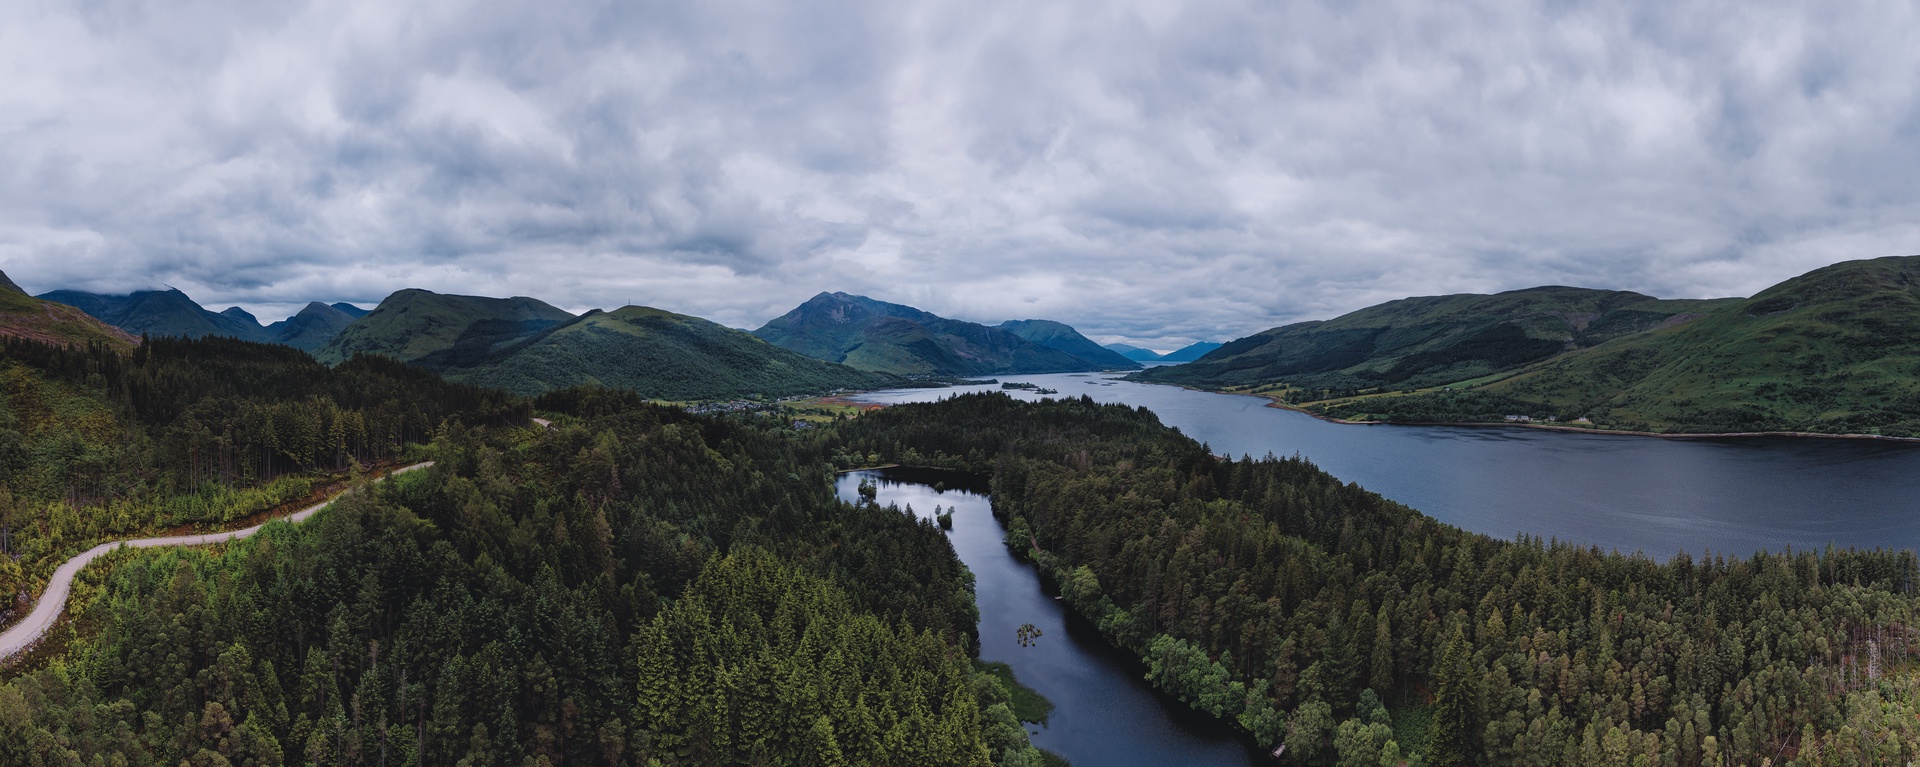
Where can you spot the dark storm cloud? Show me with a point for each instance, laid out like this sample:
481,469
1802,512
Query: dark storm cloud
1155,172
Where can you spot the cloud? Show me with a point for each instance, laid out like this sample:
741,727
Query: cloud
1154,172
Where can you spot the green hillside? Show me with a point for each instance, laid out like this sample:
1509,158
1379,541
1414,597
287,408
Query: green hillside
1835,350
661,355
441,331
1432,340
107,443
1061,336
635,586
23,316
878,336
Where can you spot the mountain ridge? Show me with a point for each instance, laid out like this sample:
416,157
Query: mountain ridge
1832,351
166,312
658,354
867,334
1190,352
312,327
1134,353
1430,340
1062,337
413,324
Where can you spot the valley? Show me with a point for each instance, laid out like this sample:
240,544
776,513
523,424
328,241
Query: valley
678,537
947,384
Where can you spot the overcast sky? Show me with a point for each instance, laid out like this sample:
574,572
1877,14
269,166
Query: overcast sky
1155,172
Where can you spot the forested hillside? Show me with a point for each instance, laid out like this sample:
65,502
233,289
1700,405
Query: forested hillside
1271,594
96,443
638,584
635,586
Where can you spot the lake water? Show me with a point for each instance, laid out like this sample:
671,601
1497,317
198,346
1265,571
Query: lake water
1658,496
1104,713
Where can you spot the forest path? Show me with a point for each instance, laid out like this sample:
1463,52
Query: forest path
54,600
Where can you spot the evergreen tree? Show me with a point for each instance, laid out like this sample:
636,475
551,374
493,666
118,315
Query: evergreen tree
1451,741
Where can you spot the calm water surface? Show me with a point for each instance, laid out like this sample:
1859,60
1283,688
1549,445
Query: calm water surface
1104,713
1659,496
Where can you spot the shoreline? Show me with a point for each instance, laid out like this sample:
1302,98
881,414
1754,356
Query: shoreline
1273,403
1278,405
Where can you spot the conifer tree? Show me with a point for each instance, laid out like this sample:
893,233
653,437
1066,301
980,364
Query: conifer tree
1451,744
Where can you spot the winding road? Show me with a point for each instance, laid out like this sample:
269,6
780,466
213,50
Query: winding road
54,600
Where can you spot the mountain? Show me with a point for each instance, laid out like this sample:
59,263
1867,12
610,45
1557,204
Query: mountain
660,355
890,338
1431,340
312,328
162,313
23,316
349,309
441,331
1061,336
241,316
1190,352
1134,353
1834,350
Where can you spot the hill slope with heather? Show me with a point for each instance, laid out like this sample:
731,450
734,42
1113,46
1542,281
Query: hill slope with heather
36,319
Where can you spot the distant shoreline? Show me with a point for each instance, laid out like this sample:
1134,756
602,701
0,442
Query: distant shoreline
1274,403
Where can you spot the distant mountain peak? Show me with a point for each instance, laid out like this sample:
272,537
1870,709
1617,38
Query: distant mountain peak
1135,353
165,312
1191,352
1062,337
894,338
239,314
